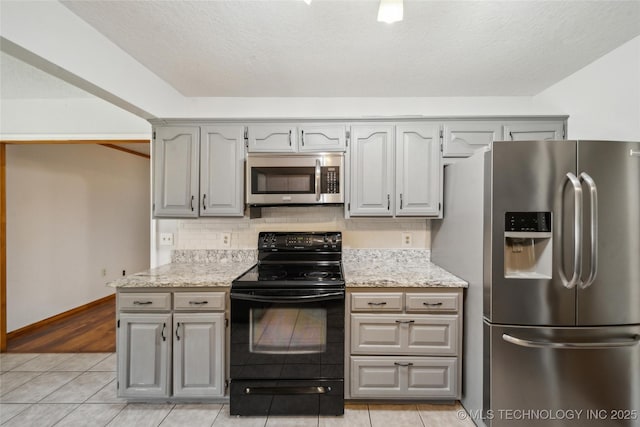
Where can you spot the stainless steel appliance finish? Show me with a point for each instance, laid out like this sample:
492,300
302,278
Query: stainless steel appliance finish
560,322
290,179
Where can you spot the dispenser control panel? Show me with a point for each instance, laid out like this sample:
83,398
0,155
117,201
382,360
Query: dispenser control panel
527,221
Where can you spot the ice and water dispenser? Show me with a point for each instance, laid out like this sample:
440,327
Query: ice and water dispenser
527,245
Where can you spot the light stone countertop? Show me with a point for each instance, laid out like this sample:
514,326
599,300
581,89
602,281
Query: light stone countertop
402,268
362,268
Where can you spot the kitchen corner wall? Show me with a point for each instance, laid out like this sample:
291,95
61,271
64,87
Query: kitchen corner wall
206,233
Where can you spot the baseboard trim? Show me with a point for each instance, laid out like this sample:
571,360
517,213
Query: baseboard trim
34,326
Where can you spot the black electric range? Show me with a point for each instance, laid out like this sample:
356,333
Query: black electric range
287,327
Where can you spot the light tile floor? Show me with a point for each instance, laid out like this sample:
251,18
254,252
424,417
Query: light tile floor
79,389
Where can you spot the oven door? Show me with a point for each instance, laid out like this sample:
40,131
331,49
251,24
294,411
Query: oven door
287,351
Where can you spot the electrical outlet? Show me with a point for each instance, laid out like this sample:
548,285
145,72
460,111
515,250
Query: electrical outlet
103,272
166,239
407,240
226,240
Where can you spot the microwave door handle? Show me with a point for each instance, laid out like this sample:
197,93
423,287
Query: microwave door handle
318,171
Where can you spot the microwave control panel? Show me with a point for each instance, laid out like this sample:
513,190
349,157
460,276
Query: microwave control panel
330,180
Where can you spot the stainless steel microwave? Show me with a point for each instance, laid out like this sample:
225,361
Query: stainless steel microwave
290,179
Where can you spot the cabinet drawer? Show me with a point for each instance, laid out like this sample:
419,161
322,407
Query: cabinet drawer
147,301
200,301
376,301
424,302
391,377
404,334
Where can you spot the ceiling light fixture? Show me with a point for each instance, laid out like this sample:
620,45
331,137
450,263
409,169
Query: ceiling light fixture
390,11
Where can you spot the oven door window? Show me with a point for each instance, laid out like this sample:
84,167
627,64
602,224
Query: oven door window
283,180
288,330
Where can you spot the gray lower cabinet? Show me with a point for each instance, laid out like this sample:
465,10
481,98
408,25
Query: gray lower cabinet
197,355
404,344
167,349
404,377
144,354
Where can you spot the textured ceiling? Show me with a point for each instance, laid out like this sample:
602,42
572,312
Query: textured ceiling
337,48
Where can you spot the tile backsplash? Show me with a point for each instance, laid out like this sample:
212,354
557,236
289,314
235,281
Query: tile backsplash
207,233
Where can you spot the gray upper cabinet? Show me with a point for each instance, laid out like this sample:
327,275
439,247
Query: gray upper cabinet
372,168
418,171
175,176
462,138
221,170
322,137
272,138
534,130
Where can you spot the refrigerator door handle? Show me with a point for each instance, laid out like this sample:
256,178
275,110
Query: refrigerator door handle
585,345
593,205
577,225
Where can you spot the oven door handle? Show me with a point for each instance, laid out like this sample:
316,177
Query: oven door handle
287,299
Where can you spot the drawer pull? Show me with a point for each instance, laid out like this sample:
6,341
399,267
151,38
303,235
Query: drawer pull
377,303
403,364
142,302
198,302
432,304
405,321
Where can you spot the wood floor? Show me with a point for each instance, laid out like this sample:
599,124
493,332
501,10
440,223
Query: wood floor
90,331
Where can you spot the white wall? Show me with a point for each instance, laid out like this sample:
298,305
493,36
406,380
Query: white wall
68,118
72,210
603,98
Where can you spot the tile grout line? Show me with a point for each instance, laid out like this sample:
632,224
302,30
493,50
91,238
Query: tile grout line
165,417
369,413
29,405
9,391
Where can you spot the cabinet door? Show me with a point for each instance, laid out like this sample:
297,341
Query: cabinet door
322,137
268,138
533,131
462,138
404,334
144,355
372,170
221,171
418,170
175,172
198,363
392,377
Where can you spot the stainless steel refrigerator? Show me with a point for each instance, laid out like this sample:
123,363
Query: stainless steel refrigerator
547,233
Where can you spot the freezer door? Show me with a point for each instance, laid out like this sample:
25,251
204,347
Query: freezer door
530,176
562,376
613,298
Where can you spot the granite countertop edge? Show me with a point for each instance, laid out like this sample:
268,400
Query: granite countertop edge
360,270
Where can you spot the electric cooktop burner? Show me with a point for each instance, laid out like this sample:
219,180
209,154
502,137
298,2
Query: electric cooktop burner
274,274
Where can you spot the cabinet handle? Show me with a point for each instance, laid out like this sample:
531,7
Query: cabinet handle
204,203
289,137
388,202
142,302
198,302
377,303
400,201
432,304
405,321
302,132
177,329
164,326
192,197
403,364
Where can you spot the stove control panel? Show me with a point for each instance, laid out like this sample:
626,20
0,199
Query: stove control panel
300,241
